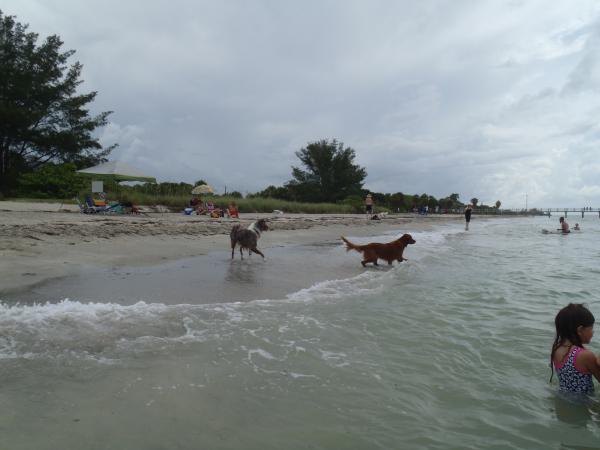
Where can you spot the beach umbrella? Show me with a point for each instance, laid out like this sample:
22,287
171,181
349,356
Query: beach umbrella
202,189
118,171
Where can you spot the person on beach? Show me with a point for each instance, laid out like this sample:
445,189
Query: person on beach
564,226
468,211
232,211
576,227
201,209
573,363
369,205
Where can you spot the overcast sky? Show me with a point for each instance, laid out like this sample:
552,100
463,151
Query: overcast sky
488,99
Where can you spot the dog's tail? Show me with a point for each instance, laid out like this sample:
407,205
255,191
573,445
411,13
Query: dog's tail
351,246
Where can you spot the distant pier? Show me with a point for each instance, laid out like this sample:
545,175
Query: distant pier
565,211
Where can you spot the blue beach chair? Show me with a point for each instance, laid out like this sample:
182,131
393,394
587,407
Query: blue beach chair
93,209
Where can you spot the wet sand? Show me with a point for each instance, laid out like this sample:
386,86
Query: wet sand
48,253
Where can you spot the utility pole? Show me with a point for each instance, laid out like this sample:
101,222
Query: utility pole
525,201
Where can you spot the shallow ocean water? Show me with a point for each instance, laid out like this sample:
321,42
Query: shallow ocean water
448,350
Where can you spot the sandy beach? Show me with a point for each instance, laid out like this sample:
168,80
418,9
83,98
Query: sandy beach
43,241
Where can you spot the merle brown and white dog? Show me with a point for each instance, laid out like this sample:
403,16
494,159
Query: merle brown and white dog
247,238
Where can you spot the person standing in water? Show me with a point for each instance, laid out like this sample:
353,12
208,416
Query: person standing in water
564,226
468,211
573,363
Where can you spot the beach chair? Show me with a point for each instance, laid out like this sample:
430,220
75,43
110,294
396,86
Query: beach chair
83,208
93,209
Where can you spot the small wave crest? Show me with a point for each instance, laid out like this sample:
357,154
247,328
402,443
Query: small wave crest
88,329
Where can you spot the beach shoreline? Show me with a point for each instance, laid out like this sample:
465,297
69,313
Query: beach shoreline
40,242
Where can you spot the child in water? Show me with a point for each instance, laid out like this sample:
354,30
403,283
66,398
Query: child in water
574,364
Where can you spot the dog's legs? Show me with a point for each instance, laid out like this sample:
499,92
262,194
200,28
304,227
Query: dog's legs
232,250
257,251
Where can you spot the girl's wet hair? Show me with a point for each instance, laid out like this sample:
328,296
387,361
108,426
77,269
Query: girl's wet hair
568,319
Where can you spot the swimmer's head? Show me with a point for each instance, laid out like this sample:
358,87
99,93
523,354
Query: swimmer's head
571,321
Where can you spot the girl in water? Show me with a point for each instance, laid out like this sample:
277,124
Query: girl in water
574,364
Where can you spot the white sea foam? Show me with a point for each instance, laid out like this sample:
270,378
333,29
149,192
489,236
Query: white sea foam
259,351
107,331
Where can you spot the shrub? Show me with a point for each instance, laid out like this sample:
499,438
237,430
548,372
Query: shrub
52,181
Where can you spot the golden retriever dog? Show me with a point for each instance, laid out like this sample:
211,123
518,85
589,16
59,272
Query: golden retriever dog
374,251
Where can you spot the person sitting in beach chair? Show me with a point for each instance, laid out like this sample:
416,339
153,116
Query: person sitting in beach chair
217,212
128,207
210,207
202,209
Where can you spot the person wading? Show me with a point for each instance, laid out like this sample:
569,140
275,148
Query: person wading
468,211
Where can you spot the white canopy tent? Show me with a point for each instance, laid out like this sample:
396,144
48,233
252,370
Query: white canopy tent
118,171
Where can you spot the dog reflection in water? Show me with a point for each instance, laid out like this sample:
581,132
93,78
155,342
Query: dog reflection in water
247,238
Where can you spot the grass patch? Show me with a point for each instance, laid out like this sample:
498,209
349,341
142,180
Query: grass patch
245,205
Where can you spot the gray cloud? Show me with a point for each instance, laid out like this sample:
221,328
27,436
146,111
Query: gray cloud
487,99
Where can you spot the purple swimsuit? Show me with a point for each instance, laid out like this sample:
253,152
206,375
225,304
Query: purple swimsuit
570,379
